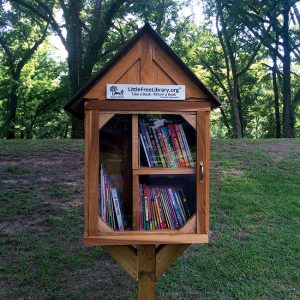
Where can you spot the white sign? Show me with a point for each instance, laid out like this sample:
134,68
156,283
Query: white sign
145,92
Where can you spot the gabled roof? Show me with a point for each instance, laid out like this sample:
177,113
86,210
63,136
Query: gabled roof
75,105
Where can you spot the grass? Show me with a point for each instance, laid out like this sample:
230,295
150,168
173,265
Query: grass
254,240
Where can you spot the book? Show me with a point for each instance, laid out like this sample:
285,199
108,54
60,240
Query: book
164,145
162,207
175,142
110,205
148,144
186,145
182,146
117,208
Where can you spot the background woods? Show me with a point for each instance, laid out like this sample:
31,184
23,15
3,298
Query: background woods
248,52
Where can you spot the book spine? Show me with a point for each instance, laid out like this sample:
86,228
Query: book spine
145,149
166,213
117,209
189,155
145,143
148,144
102,197
140,208
166,148
175,207
155,199
170,150
154,146
180,206
162,215
163,147
149,197
182,147
175,142
171,208
160,153
184,202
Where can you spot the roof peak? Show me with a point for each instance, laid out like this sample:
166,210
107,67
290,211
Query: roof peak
75,105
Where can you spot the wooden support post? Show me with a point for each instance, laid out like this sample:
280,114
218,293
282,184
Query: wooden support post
126,257
146,272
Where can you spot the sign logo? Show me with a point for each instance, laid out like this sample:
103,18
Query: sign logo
115,92
145,92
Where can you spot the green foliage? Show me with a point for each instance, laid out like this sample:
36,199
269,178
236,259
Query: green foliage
44,84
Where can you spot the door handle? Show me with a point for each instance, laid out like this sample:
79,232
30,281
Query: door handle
201,171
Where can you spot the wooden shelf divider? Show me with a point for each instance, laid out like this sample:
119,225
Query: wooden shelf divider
163,171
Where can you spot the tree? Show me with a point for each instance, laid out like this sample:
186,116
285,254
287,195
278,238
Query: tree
20,37
87,24
239,52
282,41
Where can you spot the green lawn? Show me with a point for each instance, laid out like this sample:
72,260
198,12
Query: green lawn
254,240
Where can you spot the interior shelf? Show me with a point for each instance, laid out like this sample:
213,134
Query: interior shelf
163,171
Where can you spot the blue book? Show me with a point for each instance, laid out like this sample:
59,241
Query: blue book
180,221
146,144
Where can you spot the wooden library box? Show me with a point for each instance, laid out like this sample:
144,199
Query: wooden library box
146,148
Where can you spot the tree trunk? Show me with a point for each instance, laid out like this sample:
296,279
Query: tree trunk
240,111
235,107
276,97
74,64
12,109
286,84
236,116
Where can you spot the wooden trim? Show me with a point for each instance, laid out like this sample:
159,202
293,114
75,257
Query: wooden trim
137,106
191,119
146,272
98,89
146,52
103,227
162,171
92,171
166,255
126,257
202,188
145,239
190,225
135,142
207,168
104,118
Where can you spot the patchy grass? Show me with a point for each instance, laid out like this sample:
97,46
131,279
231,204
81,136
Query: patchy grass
255,219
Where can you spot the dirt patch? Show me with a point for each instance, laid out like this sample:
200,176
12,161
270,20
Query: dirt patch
231,172
280,149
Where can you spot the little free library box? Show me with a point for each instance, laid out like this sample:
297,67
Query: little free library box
146,148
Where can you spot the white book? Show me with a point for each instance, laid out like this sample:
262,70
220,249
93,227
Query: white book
117,208
103,210
144,146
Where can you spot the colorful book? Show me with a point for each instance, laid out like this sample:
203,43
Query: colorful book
186,145
162,208
164,145
117,208
110,203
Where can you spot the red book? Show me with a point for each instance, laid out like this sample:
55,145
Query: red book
182,145
176,146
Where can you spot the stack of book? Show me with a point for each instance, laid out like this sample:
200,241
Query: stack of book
165,146
162,208
110,208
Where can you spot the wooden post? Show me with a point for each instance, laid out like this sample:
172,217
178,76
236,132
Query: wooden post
146,272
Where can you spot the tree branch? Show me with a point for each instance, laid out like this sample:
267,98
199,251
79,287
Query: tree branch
28,54
8,54
219,82
48,17
224,51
